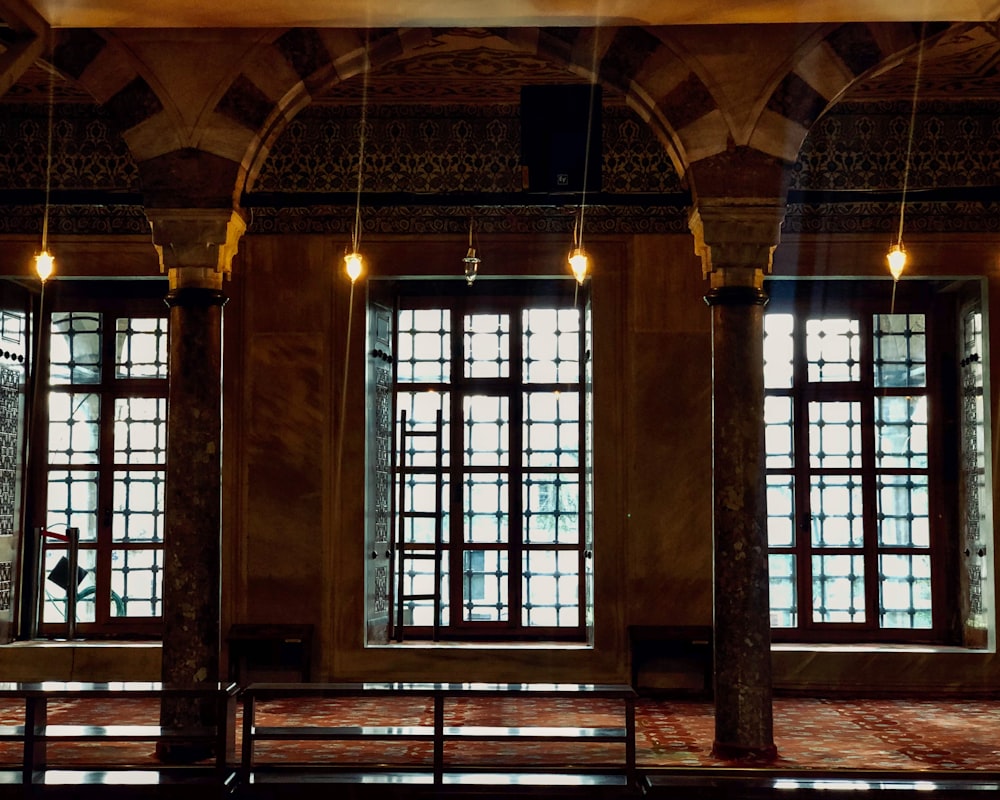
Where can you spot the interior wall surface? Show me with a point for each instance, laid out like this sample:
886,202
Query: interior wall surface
292,543
295,422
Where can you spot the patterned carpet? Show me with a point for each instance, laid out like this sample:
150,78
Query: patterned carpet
811,734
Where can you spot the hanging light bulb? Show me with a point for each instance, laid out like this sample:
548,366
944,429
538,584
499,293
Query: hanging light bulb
45,264
579,263
897,259
471,262
354,264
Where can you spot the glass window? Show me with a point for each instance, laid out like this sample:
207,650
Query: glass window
851,473
512,563
105,471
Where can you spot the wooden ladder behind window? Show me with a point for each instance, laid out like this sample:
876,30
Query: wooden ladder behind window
408,553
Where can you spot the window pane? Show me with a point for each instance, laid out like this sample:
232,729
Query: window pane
141,430
551,345
835,435
141,347
838,588
778,431
486,508
55,568
837,511
780,510
138,501
551,509
904,519
784,605
419,497
421,416
778,350
484,585
900,350
74,428
833,350
552,429
75,348
72,502
419,580
423,346
551,586
487,345
487,431
136,582
901,432
905,591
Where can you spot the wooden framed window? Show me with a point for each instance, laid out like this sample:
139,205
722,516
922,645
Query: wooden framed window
491,520
860,392
104,407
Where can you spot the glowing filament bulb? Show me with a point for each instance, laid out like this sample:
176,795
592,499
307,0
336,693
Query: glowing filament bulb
897,260
44,265
353,263
579,263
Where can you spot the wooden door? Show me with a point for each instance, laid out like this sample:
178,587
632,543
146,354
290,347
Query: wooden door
378,491
14,353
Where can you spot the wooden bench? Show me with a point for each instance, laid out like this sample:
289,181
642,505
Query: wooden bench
40,762
439,735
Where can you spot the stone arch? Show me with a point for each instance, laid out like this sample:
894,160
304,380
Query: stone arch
823,70
262,79
320,59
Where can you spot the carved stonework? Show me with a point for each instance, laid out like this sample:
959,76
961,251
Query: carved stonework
468,148
87,151
6,575
736,242
858,148
10,426
196,239
863,146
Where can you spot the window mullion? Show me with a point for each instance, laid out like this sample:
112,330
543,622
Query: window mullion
106,469
515,516
802,472
456,486
869,477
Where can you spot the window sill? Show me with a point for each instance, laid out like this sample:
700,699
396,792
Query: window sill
872,647
62,660
417,644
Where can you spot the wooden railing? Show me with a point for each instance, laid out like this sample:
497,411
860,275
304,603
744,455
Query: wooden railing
440,733
40,739
43,763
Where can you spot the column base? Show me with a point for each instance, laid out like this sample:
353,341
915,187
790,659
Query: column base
727,751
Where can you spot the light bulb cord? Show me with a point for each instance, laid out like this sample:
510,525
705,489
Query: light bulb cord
48,161
363,125
909,141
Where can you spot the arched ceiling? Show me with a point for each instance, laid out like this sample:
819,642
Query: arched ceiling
963,64
395,13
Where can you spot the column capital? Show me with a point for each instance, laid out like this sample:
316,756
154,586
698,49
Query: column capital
735,239
195,245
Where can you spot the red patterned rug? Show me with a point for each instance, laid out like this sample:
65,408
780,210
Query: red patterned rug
811,734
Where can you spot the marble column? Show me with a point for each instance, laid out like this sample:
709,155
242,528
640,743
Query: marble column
735,244
196,248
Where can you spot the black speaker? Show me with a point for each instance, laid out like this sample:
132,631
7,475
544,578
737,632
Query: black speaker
561,138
